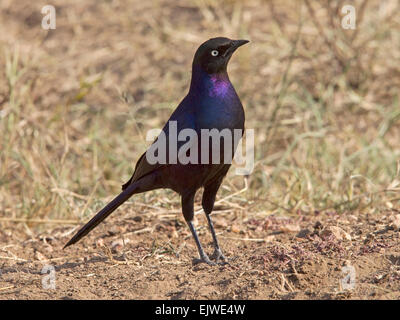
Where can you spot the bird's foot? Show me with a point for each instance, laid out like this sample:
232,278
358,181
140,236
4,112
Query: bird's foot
204,259
219,257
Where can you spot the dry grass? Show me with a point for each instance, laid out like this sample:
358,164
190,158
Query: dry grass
76,102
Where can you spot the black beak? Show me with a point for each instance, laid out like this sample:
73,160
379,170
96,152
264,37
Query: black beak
238,43
234,45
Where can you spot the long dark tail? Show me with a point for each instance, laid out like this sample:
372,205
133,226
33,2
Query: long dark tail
103,213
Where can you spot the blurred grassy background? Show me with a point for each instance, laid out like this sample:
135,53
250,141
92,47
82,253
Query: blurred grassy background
76,102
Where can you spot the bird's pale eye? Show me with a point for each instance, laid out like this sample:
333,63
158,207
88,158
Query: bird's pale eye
214,53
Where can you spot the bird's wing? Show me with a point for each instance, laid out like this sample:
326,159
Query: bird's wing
185,119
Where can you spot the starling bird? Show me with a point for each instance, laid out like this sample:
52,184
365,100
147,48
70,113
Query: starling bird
211,103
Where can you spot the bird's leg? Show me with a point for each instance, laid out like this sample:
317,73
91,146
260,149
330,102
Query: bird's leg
209,194
203,255
217,255
188,213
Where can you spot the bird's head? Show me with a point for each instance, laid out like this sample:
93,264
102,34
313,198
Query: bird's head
214,54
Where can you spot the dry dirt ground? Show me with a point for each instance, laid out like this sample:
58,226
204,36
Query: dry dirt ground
76,103
138,255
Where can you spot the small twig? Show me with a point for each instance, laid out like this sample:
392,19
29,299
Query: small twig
10,258
284,281
76,195
148,229
244,239
51,221
90,197
5,288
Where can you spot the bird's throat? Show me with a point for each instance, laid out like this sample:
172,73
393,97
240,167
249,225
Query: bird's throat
216,85
219,86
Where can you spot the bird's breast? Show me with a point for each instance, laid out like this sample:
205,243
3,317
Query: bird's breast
216,103
220,113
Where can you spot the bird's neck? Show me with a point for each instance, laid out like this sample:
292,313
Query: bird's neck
215,85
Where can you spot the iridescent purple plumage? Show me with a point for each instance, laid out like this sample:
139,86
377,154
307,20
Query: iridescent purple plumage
219,86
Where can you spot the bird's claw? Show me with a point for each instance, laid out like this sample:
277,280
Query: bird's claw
217,256
204,259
